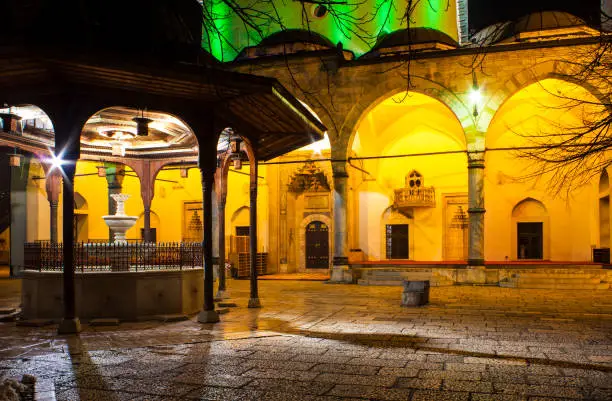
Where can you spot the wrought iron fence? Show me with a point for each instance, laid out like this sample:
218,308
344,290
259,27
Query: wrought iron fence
91,256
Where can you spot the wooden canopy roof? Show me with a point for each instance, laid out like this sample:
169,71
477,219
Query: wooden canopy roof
256,107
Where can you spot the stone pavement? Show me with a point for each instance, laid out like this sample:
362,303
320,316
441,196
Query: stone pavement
316,341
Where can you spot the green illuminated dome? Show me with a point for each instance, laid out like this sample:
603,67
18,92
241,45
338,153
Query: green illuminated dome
357,26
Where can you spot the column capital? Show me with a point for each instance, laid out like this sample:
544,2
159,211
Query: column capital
476,159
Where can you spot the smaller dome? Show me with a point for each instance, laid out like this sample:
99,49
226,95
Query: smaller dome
286,42
414,36
296,36
413,40
540,25
545,20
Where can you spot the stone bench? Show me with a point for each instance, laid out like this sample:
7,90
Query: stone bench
416,289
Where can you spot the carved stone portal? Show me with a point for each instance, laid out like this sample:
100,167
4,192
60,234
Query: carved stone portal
308,178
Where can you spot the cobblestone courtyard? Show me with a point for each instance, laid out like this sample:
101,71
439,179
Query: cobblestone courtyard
314,341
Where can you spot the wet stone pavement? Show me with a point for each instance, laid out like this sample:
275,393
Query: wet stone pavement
316,341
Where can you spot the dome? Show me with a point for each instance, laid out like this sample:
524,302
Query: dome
296,36
545,20
535,26
413,39
286,42
414,36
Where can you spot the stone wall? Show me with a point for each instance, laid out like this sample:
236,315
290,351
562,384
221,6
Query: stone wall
125,296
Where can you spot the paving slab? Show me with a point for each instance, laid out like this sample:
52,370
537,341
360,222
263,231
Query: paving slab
315,341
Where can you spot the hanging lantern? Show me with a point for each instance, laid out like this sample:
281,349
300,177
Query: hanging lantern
15,160
142,125
238,163
10,122
101,170
184,173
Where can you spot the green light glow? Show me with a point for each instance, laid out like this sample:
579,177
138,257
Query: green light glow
235,37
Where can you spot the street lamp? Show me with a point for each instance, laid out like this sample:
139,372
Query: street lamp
475,95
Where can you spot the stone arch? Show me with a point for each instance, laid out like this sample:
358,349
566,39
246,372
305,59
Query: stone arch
388,87
530,210
301,248
240,215
552,69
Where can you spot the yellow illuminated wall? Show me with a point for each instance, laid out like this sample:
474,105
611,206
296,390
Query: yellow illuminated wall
171,193
406,124
570,224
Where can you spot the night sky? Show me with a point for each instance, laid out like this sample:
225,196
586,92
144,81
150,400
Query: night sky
487,12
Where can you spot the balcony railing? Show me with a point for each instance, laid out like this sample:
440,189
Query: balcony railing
415,197
102,257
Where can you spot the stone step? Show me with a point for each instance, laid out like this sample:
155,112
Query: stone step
552,285
560,276
394,283
560,280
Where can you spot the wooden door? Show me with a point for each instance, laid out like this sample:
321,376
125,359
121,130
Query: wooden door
317,245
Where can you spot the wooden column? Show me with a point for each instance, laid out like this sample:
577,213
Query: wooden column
254,301
208,313
222,291
68,126
221,193
53,184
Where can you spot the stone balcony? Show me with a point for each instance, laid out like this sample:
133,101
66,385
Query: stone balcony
414,197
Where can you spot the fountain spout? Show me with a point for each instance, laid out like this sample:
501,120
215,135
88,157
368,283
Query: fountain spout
120,222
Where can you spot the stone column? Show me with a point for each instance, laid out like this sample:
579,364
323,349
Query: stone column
70,324
476,210
340,270
114,178
52,184
208,313
254,297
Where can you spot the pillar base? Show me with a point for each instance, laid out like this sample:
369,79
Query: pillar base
341,274
208,316
472,275
69,326
254,303
222,294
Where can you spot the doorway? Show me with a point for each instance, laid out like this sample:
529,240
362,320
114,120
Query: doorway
530,240
397,241
317,245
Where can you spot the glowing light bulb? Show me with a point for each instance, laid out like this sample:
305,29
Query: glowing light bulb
56,161
475,96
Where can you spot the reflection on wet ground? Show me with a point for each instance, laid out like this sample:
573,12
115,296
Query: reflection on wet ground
318,341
